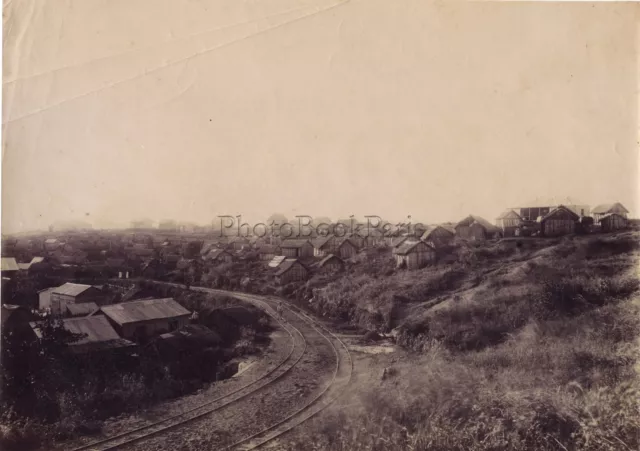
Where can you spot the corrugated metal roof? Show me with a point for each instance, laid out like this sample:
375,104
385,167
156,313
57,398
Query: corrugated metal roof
71,289
96,329
82,308
9,264
136,311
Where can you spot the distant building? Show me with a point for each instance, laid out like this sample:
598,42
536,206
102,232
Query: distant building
559,221
291,270
602,210
510,222
438,236
139,320
475,228
75,293
323,245
537,208
296,248
266,252
329,264
346,249
414,254
612,222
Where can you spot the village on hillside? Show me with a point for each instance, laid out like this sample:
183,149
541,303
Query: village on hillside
78,275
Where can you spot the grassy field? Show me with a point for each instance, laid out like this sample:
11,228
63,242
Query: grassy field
530,347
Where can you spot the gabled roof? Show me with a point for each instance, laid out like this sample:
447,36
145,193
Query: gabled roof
408,246
37,260
557,210
9,264
321,241
294,244
395,242
480,221
82,308
430,229
287,265
509,214
606,208
151,309
71,289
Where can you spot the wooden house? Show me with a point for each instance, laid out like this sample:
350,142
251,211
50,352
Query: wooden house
612,222
266,252
75,293
330,264
438,236
138,320
291,270
600,211
475,228
346,249
414,254
296,248
510,222
559,221
324,245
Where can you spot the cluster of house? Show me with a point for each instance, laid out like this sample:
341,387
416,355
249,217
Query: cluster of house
154,255
86,310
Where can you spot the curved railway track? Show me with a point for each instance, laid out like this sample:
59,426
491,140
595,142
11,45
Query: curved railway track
135,435
339,381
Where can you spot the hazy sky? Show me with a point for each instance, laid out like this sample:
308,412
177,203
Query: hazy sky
187,109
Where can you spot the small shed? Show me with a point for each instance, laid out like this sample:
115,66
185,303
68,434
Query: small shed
141,319
323,245
612,222
296,248
475,228
44,298
510,222
600,211
438,236
291,270
346,249
330,264
559,221
414,254
75,293
267,251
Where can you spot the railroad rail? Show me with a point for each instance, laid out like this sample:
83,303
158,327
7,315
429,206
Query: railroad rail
268,435
135,435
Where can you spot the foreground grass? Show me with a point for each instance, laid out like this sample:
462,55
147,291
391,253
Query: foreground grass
542,353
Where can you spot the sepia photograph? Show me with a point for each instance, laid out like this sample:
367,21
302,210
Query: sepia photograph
320,225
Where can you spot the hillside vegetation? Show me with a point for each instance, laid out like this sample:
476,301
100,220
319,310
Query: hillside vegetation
514,347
